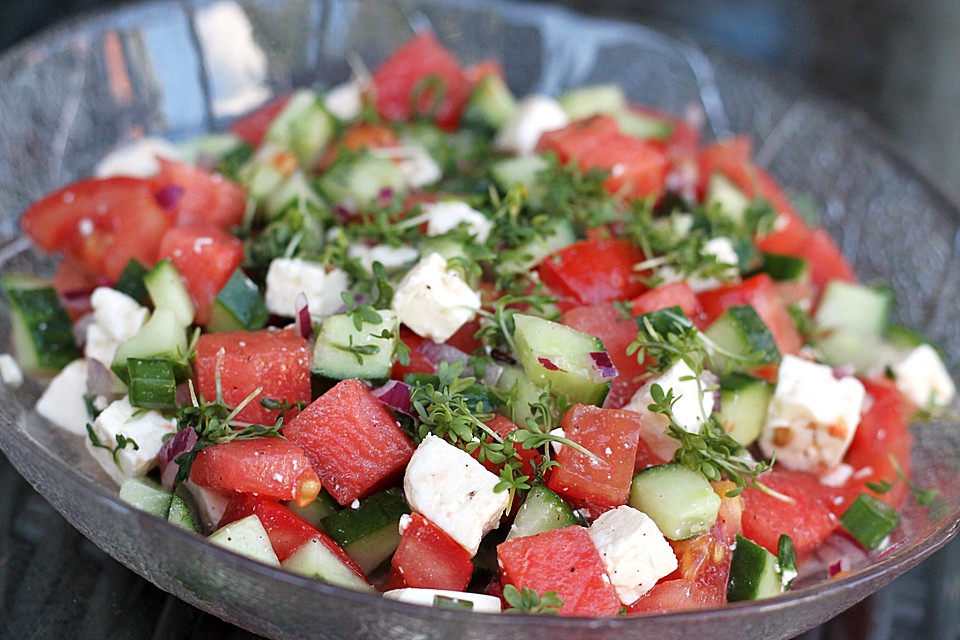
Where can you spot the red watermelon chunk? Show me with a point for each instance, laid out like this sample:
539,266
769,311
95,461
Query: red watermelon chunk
428,558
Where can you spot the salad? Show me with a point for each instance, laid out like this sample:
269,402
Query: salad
414,336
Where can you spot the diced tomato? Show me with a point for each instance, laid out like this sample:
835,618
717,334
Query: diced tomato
421,78
463,339
637,168
676,294
561,560
646,457
477,72
594,271
706,559
276,359
287,531
253,127
808,519
607,323
353,442
268,467
611,435
206,198
882,432
503,427
102,222
678,594
74,284
206,256
760,293
428,558
420,360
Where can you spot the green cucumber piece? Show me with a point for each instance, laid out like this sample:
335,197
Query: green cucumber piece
239,306
248,538
641,125
528,255
181,514
869,520
304,127
43,340
491,102
740,331
868,354
785,268
592,100
146,495
162,336
520,170
370,533
343,351
754,573
213,145
151,383
131,283
903,338
475,394
520,391
743,406
726,197
543,510
858,308
559,357
318,510
166,289
362,180
681,501
295,191
315,560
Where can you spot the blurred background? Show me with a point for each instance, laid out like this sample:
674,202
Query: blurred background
894,60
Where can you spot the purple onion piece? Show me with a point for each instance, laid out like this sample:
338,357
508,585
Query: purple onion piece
302,316
385,196
169,196
395,394
548,364
844,371
603,364
99,379
835,568
181,443
437,353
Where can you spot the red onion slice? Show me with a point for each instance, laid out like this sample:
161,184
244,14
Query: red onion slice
437,353
548,364
385,196
169,196
181,443
835,568
395,394
604,365
302,316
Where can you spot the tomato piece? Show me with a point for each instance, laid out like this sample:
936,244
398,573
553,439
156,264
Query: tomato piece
610,434
252,127
561,560
206,198
503,427
276,359
287,531
428,558
646,457
705,560
480,70
675,294
102,222
637,168
353,442
206,256
808,520
268,467
678,594
594,271
760,293
420,360
421,78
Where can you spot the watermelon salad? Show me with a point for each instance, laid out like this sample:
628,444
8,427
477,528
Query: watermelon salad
416,336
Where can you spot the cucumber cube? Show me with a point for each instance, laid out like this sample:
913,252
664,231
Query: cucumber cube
166,289
343,351
744,339
543,510
181,514
239,306
151,383
131,283
528,255
491,102
146,495
370,533
869,520
592,100
43,340
521,392
317,511
681,501
643,126
854,307
316,560
727,198
361,181
248,538
744,401
785,268
754,573
162,336
304,127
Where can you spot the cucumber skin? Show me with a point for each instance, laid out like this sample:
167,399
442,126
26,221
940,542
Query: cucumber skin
753,573
44,341
746,397
740,330
543,510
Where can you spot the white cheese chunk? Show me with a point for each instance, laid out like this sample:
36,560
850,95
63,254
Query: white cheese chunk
116,318
137,159
687,408
445,216
62,401
634,552
923,378
535,115
210,504
10,371
418,167
146,428
289,277
391,258
345,100
448,487
433,302
812,416
428,597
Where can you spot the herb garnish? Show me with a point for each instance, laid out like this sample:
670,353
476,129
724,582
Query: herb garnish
527,600
922,497
122,443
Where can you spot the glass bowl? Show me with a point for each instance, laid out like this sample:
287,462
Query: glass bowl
183,67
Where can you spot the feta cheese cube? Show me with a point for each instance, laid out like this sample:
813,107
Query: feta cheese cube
137,159
812,416
289,277
535,115
923,378
433,302
428,597
10,371
451,489
418,167
145,428
116,318
345,100
633,550
687,409
62,401
391,258
443,217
